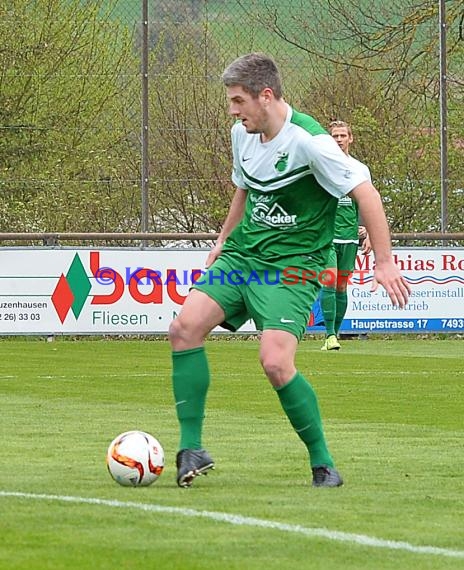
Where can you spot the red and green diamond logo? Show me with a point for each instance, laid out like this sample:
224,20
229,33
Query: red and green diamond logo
72,290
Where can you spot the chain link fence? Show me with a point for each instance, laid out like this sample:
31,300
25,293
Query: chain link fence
84,84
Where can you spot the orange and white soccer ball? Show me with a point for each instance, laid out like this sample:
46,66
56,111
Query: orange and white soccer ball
135,459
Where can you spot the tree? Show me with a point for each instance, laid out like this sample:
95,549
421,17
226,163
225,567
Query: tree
66,73
375,64
190,138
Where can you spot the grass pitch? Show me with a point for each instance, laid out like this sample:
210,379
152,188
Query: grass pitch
393,414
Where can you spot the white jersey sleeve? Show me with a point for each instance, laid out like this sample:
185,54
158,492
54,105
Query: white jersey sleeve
362,166
334,171
237,176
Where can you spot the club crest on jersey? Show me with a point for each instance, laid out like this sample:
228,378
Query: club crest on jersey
282,161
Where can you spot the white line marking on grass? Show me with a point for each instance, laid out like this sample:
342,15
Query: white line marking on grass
84,376
360,539
80,376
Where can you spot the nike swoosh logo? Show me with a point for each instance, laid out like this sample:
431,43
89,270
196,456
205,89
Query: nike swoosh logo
286,321
247,158
181,402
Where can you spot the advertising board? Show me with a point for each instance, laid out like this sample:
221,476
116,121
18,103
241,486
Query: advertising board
48,291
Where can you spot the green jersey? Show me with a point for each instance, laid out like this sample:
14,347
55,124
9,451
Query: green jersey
293,182
347,218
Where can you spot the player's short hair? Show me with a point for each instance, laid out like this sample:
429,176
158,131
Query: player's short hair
254,72
336,123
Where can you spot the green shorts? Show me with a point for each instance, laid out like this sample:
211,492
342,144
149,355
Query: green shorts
342,256
278,299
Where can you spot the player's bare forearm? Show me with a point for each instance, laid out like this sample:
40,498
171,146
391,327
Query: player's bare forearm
386,271
373,216
235,214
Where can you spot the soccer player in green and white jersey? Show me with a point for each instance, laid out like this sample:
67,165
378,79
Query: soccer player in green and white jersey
342,256
266,264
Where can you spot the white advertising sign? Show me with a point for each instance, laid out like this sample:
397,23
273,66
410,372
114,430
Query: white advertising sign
131,291
436,304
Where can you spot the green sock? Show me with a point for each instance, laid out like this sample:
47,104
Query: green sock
299,402
190,378
328,309
341,301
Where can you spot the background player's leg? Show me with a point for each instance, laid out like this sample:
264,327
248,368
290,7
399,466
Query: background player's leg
328,307
341,302
328,301
346,259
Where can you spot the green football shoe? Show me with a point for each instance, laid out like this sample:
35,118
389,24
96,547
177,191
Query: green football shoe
331,343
